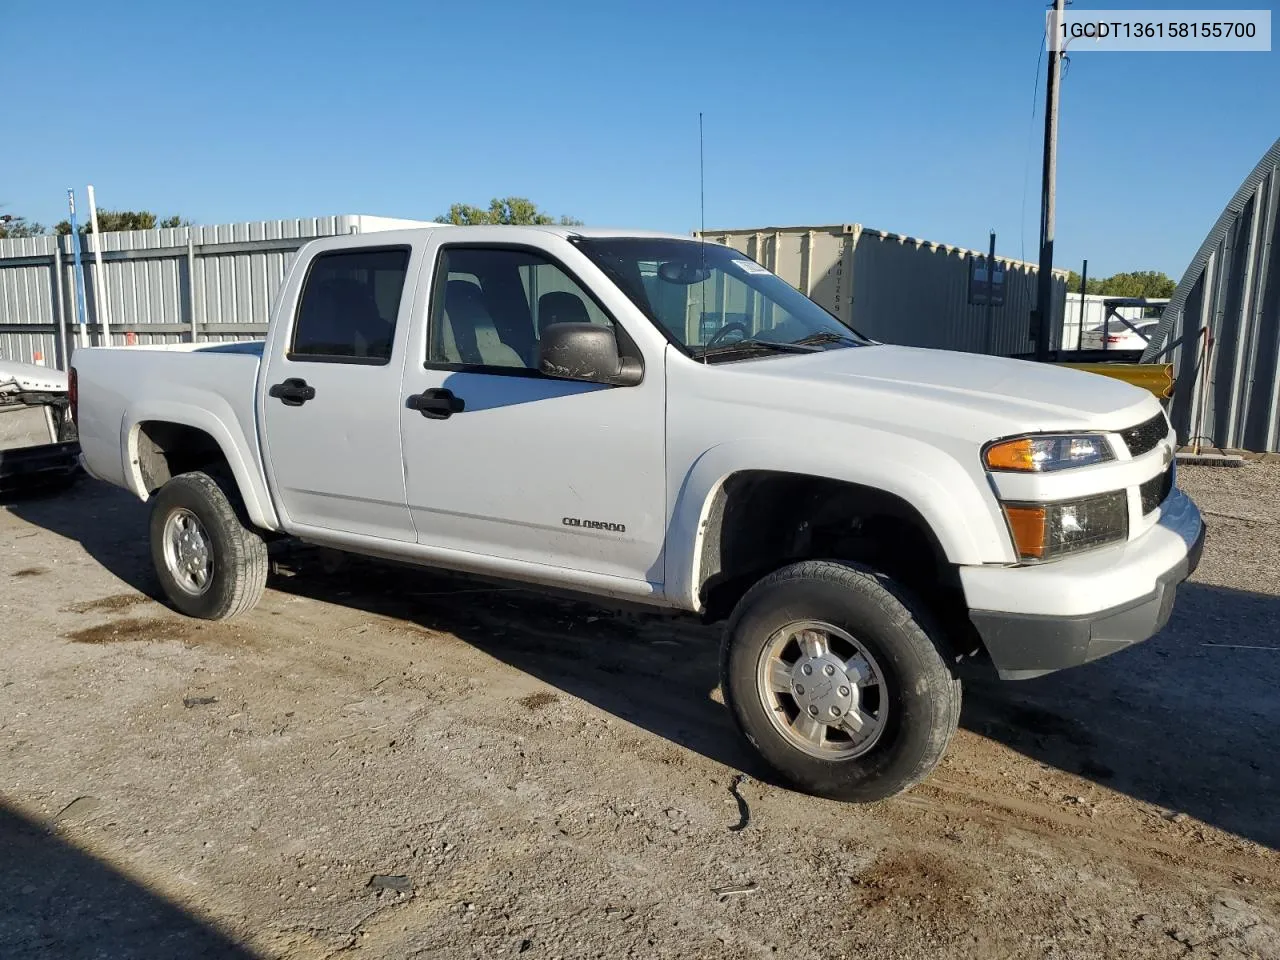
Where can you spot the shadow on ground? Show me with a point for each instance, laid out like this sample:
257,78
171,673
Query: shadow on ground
1189,721
61,902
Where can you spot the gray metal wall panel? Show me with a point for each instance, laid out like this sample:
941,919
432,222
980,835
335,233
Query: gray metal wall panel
1231,291
26,347
899,289
28,295
147,278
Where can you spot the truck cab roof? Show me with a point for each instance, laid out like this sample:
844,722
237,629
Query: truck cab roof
516,230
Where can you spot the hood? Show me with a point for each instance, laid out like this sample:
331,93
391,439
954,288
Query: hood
981,395
15,376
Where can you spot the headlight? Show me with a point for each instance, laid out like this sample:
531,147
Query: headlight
1043,452
1047,531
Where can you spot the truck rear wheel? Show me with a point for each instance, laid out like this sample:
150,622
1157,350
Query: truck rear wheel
832,678
211,563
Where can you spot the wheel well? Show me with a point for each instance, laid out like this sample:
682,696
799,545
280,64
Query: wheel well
763,520
168,449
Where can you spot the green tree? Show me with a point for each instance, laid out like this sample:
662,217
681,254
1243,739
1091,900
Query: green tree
516,210
12,227
113,220
1143,283
1073,283
1151,284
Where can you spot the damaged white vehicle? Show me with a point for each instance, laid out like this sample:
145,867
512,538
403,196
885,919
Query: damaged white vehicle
38,445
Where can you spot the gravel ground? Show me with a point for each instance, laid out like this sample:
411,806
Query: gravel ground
394,763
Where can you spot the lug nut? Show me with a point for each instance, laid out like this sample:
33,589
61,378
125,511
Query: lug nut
799,689
813,711
844,691
835,711
828,669
806,669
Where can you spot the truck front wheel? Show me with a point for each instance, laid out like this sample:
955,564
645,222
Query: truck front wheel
211,563
832,678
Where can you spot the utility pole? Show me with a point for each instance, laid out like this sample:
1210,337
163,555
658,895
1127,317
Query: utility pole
1084,288
1044,288
991,293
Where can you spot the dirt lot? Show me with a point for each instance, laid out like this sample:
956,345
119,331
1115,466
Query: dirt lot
536,777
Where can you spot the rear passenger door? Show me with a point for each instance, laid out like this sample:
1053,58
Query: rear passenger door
332,391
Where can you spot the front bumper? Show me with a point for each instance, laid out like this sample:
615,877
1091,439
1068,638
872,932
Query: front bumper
1047,621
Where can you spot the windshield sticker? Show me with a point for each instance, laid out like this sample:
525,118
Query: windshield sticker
749,266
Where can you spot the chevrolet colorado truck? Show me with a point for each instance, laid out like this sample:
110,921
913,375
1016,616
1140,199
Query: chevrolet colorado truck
648,417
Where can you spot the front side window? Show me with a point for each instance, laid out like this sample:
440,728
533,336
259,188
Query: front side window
347,311
489,307
715,302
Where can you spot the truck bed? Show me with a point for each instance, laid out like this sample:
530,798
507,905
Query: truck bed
211,381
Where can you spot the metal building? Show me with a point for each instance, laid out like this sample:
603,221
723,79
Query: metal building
1221,328
158,286
899,289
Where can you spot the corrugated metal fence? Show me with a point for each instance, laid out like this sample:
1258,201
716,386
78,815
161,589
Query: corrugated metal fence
160,286
217,283
1228,306
900,289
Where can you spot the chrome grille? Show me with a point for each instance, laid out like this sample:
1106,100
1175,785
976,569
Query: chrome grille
1155,490
1146,436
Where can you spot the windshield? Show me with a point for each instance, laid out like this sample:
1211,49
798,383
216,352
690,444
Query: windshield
715,302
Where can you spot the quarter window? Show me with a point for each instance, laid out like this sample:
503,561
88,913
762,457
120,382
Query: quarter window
347,312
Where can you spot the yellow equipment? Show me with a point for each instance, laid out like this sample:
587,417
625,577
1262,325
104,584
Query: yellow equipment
1155,377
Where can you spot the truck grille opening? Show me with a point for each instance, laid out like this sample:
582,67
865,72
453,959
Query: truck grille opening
1146,436
1155,490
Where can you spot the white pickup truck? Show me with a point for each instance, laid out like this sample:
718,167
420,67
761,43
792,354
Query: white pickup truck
643,416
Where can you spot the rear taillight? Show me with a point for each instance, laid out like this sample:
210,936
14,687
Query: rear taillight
73,394
1114,339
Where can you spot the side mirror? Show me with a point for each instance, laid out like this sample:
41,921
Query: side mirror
585,351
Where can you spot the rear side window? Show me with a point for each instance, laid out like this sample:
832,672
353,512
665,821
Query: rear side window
347,311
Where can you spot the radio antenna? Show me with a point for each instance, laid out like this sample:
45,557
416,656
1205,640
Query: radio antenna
702,179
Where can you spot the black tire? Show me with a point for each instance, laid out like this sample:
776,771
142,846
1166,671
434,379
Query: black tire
923,696
239,555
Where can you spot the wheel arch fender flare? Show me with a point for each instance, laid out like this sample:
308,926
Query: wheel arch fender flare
961,514
251,484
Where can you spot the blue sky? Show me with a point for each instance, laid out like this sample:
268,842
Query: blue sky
909,117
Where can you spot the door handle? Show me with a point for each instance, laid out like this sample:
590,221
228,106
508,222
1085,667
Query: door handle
294,392
436,404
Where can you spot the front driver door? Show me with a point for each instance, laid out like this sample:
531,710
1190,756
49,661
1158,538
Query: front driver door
532,469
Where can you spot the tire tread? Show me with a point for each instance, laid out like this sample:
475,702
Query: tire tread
914,621
247,566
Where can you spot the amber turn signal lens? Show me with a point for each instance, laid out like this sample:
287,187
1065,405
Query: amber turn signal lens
1029,528
1012,455
1043,452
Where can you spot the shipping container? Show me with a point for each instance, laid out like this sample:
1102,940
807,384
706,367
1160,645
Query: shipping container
173,285
903,290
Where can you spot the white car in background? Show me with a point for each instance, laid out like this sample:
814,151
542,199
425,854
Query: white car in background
1118,336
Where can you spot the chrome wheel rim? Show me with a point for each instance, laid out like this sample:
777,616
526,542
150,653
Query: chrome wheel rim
188,552
823,690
